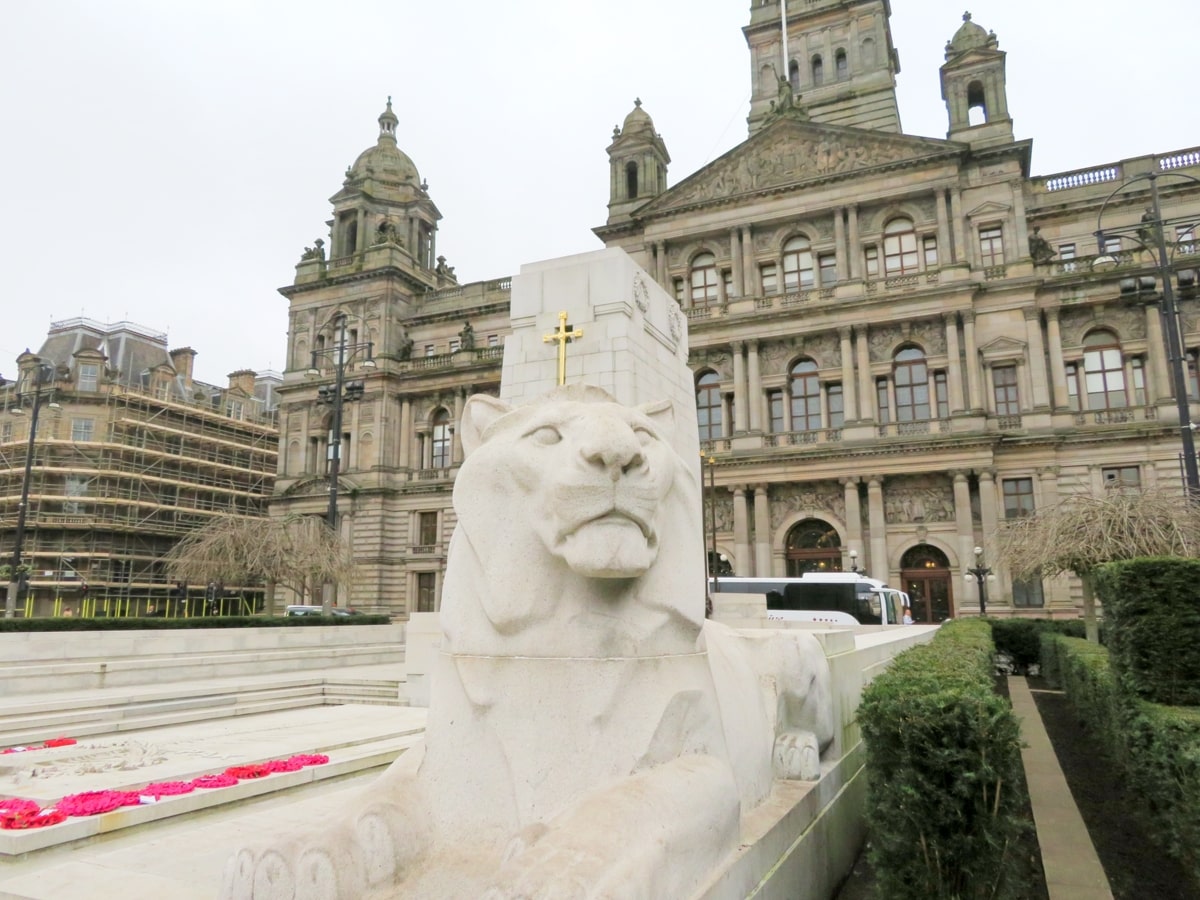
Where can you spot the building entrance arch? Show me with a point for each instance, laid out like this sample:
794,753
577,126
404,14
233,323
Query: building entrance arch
926,576
812,545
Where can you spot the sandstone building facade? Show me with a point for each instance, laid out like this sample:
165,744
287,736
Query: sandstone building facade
133,454
898,341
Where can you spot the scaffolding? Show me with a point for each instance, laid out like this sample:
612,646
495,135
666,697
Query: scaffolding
108,499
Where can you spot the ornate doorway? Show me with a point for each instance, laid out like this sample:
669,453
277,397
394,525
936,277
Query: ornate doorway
813,546
925,573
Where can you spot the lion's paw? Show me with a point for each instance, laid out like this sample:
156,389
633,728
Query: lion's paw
797,756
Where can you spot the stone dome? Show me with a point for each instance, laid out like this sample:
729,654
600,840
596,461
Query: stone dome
637,120
385,161
969,37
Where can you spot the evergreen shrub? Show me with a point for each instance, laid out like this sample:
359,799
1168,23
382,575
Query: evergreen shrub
1153,609
945,785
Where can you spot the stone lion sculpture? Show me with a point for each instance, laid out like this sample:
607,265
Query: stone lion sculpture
589,733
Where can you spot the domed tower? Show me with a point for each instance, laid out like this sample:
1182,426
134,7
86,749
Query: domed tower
383,199
638,161
973,86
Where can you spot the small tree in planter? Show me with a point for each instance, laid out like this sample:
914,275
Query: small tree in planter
1083,532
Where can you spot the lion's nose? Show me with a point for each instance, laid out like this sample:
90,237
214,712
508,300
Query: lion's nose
615,453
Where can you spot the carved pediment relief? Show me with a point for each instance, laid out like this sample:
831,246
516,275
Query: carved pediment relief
1003,349
990,209
791,152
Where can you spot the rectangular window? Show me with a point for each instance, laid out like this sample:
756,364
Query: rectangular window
991,246
1028,593
881,400
1112,245
827,264
929,245
1066,252
836,403
75,487
455,345
234,409
430,350
427,528
1185,239
1073,387
426,592
493,340
1122,477
81,430
6,432
1018,498
1137,366
1004,387
941,394
679,291
769,277
775,405
871,258
727,280
89,376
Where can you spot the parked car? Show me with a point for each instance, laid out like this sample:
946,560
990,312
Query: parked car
299,610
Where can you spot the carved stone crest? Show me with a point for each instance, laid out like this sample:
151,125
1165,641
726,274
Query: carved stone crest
641,294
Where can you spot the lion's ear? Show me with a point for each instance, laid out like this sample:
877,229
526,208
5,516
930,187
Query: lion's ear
661,413
479,413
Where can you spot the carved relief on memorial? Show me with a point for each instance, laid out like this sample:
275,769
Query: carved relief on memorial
931,335
1128,323
918,499
723,510
789,500
883,340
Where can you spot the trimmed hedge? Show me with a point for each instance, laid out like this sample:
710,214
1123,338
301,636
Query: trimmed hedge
1021,638
1153,608
945,785
1157,748
153,624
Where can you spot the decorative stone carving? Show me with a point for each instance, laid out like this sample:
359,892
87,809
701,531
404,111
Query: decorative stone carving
789,500
641,294
931,335
317,251
882,340
1128,323
927,498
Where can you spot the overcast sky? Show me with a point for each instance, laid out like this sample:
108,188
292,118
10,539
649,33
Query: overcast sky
166,161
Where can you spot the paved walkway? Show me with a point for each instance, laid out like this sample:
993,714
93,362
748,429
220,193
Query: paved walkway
1073,870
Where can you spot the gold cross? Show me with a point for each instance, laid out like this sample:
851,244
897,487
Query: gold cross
562,336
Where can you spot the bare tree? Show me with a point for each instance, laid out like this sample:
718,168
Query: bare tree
1083,532
293,551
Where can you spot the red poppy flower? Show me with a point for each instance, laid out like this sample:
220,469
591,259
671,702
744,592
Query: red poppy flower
220,780
60,742
167,788
92,803
255,770
310,759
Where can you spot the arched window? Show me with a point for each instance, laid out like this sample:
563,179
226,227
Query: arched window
441,439
841,65
813,546
797,265
704,280
708,406
806,396
977,113
1104,372
631,180
818,72
794,75
912,385
868,52
900,247
352,237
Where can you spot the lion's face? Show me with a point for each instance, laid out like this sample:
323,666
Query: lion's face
588,477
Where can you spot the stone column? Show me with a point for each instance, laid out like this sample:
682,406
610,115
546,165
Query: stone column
849,392
943,228
456,448
957,225
1160,375
988,505
877,565
362,239
749,276
1058,368
839,244
855,244
741,532
735,254
962,521
866,392
854,534
762,532
756,391
788,422
406,435
1049,481
954,373
974,391
726,415
660,266
739,388
1037,358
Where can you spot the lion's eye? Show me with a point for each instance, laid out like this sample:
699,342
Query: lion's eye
546,435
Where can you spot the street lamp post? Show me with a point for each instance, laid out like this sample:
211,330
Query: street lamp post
42,374
981,575
854,562
342,353
1148,234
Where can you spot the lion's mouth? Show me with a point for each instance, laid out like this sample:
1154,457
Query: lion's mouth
619,516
